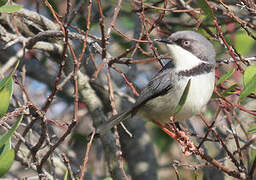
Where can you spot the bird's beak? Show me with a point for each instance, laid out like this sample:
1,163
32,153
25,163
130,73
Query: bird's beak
164,40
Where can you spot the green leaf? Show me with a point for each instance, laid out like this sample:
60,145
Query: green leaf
183,98
5,95
6,146
225,77
243,43
6,153
6,160
66,175
10,8
249,82
206,8
228,91
6,87
3,2
250,88
7,136
249,72
4,82
108,178
6,79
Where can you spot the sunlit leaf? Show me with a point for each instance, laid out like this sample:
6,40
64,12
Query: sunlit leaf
5,80
6,160
206,8
249,79
108,178
225,77
243,43
249,88
249,73
10,8
66,175
6,88
183,98
5,95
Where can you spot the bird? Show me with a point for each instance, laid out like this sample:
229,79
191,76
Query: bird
193,59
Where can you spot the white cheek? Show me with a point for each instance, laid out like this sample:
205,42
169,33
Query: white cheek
183,59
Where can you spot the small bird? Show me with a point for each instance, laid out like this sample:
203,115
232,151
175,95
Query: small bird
193,58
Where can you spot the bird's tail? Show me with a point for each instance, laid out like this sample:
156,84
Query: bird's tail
115,120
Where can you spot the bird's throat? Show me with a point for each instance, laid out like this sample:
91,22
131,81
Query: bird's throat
185,61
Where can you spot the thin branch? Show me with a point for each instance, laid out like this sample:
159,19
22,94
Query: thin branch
86,156
66,161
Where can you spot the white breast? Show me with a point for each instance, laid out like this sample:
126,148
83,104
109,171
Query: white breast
200,92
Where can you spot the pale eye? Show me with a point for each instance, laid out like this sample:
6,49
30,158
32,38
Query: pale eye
186,43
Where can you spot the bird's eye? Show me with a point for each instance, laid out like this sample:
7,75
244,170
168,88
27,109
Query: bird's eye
186,43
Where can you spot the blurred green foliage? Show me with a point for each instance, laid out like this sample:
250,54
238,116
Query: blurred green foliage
244,43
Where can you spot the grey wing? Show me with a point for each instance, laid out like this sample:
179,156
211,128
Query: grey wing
159,85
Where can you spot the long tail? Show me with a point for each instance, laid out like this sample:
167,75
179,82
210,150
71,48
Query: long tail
115,120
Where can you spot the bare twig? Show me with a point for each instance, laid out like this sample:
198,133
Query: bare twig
86,156
66,161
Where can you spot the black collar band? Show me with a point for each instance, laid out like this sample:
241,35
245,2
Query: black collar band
202,68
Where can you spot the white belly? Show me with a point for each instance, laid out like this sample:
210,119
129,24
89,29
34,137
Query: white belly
200,92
